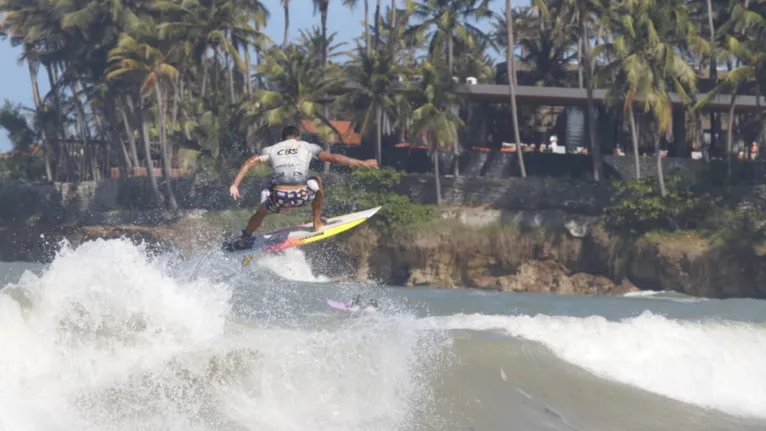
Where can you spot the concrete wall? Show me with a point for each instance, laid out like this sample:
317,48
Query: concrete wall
496,164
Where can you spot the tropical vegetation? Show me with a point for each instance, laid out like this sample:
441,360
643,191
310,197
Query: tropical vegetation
133,82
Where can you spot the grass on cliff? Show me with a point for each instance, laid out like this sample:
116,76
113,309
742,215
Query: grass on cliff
685,221
368,188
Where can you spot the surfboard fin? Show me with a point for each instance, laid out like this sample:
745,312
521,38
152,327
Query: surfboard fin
247,259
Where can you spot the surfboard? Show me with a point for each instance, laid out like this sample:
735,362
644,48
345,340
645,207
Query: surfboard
296,236
337,305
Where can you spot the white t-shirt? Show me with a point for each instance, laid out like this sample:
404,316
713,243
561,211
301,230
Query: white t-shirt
290,160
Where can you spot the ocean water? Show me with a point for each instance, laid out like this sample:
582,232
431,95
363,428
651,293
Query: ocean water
107,337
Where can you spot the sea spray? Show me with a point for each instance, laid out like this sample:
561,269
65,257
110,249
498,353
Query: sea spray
107,338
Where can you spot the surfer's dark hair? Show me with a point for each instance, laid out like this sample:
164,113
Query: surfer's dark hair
290,132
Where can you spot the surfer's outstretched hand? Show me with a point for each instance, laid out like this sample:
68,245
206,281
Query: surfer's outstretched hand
370,163
234,192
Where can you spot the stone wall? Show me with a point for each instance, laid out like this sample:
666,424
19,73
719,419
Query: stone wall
59,203
531,194
487,179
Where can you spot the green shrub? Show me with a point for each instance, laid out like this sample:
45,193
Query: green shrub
639,206
369,188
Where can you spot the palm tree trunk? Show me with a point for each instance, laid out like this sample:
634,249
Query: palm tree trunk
48,146
110,115
164,147
634,135
248,83
714,126
450,54
393,12
660,175
378,134
230,76
177,95
377,24
450,60
286,6
580,62
125,155
730,133
214,80
128,105
64,153
323,19
437,176
512,86
590,125
759,110
205,73
148,155
367,26
82,126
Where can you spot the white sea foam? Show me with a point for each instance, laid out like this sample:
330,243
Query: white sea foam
713,365
105,338
291,265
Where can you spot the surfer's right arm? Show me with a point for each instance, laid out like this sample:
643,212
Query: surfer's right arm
249,163
340,159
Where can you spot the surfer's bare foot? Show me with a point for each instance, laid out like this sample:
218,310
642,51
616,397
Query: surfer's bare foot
319,224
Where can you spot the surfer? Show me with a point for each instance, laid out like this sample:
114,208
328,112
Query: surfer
356,304
290,186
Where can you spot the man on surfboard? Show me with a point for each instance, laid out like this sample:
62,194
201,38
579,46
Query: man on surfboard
290,186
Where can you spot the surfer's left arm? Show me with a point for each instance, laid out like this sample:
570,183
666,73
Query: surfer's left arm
249,163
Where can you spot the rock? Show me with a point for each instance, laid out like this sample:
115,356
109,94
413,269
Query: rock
507,283
486,282
542,276
626,286
577,228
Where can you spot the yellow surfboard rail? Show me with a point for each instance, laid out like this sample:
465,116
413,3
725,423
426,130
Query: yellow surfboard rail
302,237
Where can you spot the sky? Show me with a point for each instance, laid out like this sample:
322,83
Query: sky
15,84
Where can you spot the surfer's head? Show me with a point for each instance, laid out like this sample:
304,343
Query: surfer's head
290,132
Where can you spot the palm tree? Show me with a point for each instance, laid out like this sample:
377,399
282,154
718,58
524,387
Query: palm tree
207,27
323,6
374,74
445,23
510,70
146,65
374,97
545,41
512,85
647,61
286,7
296,92
581,13
433,119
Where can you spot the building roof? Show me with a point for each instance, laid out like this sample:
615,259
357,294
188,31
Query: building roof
346,129
33,150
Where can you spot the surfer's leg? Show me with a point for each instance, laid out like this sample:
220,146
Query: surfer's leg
316,204
254,223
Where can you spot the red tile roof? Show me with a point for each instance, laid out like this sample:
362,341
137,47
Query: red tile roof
33,150
348,135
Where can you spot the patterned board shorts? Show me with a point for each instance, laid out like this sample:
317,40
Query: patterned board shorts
281,199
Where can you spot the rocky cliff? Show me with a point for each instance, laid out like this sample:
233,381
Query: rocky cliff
485,249
545,253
